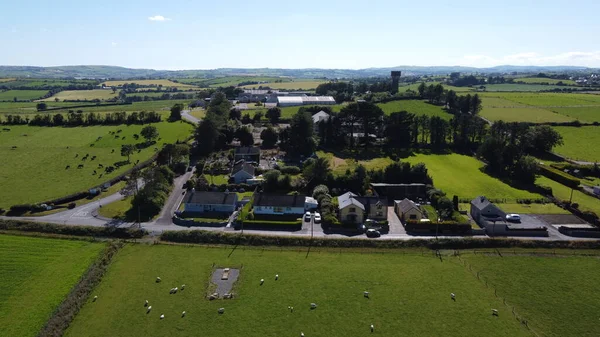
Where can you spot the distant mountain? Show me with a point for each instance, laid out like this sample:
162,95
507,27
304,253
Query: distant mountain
104,72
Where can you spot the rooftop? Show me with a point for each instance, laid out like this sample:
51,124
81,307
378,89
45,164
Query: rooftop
279,200
212,198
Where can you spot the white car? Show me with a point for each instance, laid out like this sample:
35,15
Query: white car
317,218
307,216
513,217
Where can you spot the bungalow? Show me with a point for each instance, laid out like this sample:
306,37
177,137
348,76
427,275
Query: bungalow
249,154
355,209
408,210
270,204
482,211
210,202
242,172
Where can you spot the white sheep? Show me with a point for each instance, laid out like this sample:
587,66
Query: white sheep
158,279
262,280
175,289
453,296
95,298
221,310
162,316
301,334
149,308
313,305
182,286
494,312
372,328
292,309
366,294
276,277
183,314
146,303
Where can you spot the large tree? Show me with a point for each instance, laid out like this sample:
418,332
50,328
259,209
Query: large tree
398,129
176,112
150,133
244,135
269,137
273,114
367,115
127,150
299,139
207,136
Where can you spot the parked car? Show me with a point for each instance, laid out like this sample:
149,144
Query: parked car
513,217
307,216
361,228
372,233
317,218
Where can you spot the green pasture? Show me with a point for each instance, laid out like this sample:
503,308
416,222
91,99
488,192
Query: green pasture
551,99
46,83
417,107
409,293
234,81
525,114
538,80
460,175
562,192
415,86
532,208
298,84
83,95
518,87
37,274
21,95
587,114
556,295
148,83
35,170
580,143
13,108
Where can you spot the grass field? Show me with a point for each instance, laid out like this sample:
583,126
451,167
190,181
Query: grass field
532,209
580,143
83,95
35,170
409,293
562,192
21,95
537,80
198,113
415,86
460,175
37,274
417,107
555,294
235,80
528,114
116,209
550,99
299,84
164,83
517,87
588,114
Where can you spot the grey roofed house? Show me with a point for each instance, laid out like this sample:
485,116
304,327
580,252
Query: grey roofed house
320,116
483,209
349,198
278,200
248,153
212,198
406,205
242,165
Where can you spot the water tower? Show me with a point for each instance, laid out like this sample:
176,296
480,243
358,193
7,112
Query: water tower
395,81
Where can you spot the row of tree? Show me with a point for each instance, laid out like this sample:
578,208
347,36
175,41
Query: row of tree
87,119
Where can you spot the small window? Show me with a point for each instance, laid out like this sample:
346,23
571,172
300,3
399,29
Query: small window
352,209
380,206
413,217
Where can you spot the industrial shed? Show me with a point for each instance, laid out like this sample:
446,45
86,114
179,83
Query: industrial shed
305,100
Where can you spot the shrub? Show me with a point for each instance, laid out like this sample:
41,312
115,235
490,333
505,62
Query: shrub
71,205
575,205
559,176
20,209
290,170
40,227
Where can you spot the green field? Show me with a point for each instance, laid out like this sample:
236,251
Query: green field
46,83
299,84
409,293
532,209
21,95
582,143
517,87
557,295
562,192
35,170
148,83
549,99
537,80
84,95
588,114
416,107
459,175
415,86
528,114
37,274
116,209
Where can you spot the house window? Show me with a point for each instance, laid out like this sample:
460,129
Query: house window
352,210
288,208
413,217
379,206
278,209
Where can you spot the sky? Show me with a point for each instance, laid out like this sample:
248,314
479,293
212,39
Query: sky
349,34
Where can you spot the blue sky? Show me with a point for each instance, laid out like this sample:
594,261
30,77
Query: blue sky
187,34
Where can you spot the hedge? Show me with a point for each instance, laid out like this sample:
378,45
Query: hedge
559,176
40,227
444,226
290,170
209,237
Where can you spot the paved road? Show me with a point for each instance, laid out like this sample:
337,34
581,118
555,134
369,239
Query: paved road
185,114
174,199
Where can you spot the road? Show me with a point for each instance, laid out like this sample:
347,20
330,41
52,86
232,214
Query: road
185,114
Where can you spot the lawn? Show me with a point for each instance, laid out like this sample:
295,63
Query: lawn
198,113
21,95
525,114
532,209
557,295
562,192
35,171
417,107
116,209
580,143
299,84
537,80
588,114
339,165
409,293
37,274
149,83
83,95
459,175
217,179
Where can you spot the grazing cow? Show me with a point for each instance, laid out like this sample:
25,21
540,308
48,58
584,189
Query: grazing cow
80,166
113,151
68,167
100,165
14,147
94,172
76,155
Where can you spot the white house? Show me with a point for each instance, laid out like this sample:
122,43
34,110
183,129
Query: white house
320,116
210,202
271,204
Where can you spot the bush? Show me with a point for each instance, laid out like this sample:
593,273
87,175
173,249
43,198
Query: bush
290,170
71,205
559,176
20,209
575,205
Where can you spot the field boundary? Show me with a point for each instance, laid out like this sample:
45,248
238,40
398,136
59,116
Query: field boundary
77,297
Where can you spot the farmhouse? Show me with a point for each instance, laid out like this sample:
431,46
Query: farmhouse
482,210
249,154
304,100
408,210
242,172
271,204
210,202
320,116
355,209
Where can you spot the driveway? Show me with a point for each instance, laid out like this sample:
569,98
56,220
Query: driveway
537,220
396,226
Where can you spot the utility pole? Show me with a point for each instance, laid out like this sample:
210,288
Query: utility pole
571,198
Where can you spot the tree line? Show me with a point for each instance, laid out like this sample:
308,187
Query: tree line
84,119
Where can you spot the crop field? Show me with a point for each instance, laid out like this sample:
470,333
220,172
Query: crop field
555,294
36,169
37,274
588,114
562,192
164,83
299,84
21,95
408,293
459,175
580,143
537,80
83,95
417,107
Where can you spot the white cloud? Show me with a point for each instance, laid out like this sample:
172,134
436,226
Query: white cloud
575,58
158,18
114,44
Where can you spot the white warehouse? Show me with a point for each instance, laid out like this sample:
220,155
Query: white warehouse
283,101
